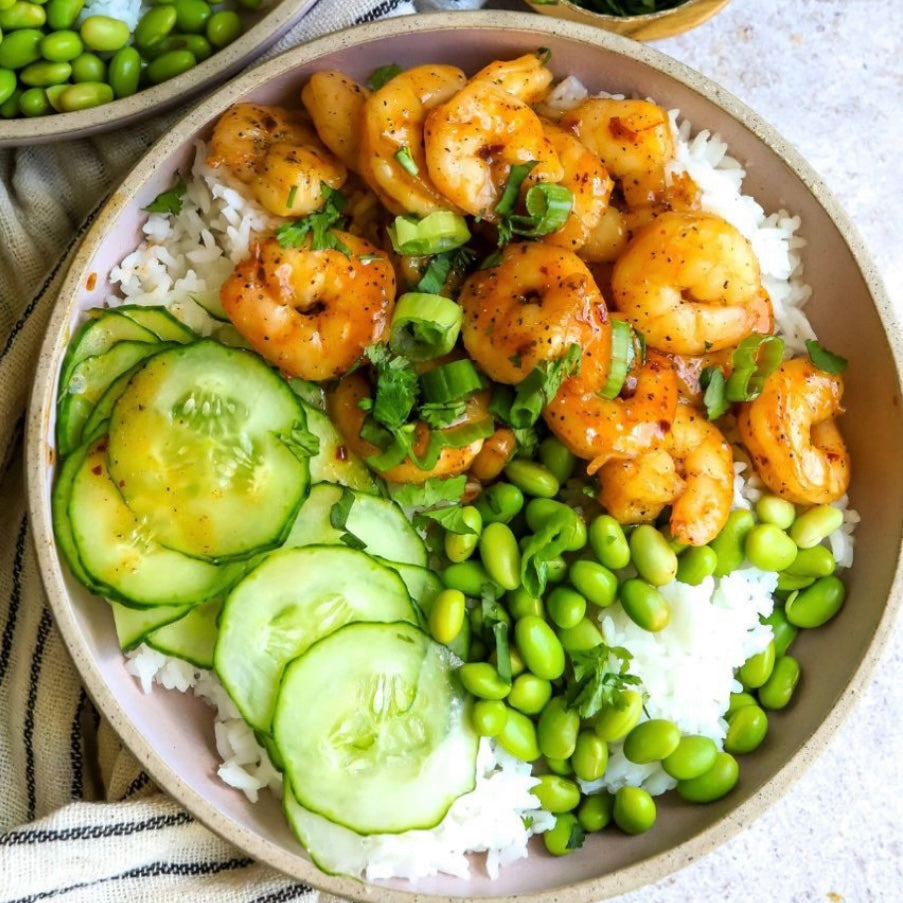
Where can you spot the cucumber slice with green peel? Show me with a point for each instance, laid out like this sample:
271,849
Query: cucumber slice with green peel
211,304
191,637
209,448
334,462
377,522
266,741
134,624
90,378
288,602
423,585
159,321
119,552
227,334
100,413
374,729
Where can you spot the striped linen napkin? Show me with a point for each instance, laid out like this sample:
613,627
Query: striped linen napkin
79,818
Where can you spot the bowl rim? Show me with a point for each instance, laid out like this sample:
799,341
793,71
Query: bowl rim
268,29
643,872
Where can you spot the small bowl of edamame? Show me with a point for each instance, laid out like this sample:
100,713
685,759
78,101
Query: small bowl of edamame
70,68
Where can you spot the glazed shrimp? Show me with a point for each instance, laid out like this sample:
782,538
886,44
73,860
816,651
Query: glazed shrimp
336,106
790,434
531,307
599,429
474,139
393,124
590,186
343,405
632,138
527,77
311,313
277,155
690,283
699,488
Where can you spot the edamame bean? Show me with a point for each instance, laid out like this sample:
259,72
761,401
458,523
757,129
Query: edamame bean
634,810
481,679
757,668
816,524
557,729
558,460
729,544
53,95
777,691
590,756
196,44
154,26
816,561
476,619
104,34
559,766
223,28
594,581
694,756
521,603
500,555
782,630
460,645
817,604
63,13
540,649
447,615
790,582
88,67
518,737
565,837
169,65
460,546
772,509
556,569
499,503
20,49
594,813
566,606
746,729
651,741
10,107
529,694
768,547
644,605
192,15
695,564
717,782
7,85
653,558
738,700
489,717
556,794
61,46
34,102
125,74
540,511
581,638
608,542
43,74
533,478
616,720
22,15
467,576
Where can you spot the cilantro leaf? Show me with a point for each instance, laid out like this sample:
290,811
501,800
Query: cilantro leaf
540,386
382,75
576,838
825,360
169,201
441,266
715,398
397,387
595,683
441,414
338,518
433,492
319,225
302,443
451,518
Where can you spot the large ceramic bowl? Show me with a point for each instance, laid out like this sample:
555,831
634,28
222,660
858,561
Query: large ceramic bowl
263,28
172,735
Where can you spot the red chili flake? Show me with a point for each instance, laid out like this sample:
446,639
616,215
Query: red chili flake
97,470
619,130
341,453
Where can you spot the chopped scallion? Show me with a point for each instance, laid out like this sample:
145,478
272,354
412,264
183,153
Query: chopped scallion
754,359
450,382
438,232
424,326
824,359
406,161
622,356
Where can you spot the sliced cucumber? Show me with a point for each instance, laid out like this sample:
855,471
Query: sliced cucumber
120,553
288,602
334,462
379,523
374,729
159,321
100,413
423,585
227,334
206,447
210,302
90,378
134,624
192,637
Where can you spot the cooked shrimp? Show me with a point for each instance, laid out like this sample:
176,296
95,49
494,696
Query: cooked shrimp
278,155
474,139
531,307
599,429
590,186
633,139
311,313
527,77
690,283
336,106
343,405
699,487
790,433
393,123
607,239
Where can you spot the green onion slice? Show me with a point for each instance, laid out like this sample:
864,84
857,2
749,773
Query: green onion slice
424,326
825,360
516,177
548,207
754,360
712,380
452,437
438,232
450,382
622,357
406,161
